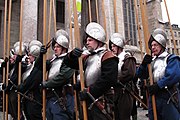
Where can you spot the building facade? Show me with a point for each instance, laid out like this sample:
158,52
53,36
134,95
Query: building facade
59,15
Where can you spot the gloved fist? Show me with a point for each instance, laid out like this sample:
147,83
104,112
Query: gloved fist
83,95
76,52
153,89
147,59
19,58
43,50
42,85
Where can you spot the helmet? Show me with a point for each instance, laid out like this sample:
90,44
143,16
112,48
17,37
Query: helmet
34,48
96,31
63,41
17,48
117,39
158,35
58,33
62,32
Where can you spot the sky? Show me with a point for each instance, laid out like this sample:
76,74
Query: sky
173,10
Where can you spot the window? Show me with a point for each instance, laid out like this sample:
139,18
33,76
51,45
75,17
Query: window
60,11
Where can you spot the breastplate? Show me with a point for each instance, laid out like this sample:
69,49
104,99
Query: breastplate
93,68
159,65
27,72
121,62
55,67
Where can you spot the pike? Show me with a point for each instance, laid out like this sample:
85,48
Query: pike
8,49
20,53
74,79
174,42
99,106
146,37
97,12
140,41
77,37
44,58
4,54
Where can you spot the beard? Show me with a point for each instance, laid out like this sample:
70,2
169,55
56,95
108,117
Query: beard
90,49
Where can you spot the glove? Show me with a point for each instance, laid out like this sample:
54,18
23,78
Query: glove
42,85
153,89
147,59
83,95
76,52
19,58
6,88
19,88
3,64
43,50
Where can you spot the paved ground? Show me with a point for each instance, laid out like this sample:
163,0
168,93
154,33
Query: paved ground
141,115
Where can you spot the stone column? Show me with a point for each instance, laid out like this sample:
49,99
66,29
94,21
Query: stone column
30,10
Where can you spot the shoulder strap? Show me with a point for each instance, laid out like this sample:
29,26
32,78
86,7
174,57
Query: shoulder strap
107,54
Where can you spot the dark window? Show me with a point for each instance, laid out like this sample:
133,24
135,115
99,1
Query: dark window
60,10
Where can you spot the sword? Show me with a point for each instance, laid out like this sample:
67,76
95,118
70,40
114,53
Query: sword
25,96
60,100
132,93
99,106
174,100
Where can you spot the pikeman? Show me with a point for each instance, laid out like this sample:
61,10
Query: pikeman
100,70
123,101
59,92
165,69
31,79
13,77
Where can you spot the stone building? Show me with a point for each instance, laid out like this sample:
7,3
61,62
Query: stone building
102,11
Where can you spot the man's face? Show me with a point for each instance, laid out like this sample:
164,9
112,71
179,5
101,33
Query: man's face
13,58
114,49
31,58
91,44
156,48
57,49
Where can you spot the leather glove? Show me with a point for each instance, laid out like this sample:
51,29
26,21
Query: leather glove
76,52
3,64
6,88
19,58
42,85
83,95
43,50
153,89
147,59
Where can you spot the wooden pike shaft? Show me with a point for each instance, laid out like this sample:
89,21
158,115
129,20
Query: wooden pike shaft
54,14
89,7
97,11
77,37
71,41
4,54
8,49
175,48
44,57
49,23
146,37
115,17
20,53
